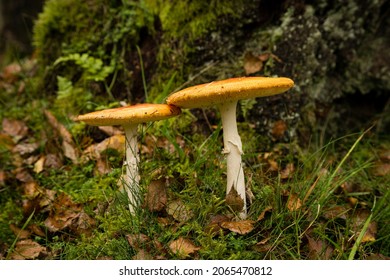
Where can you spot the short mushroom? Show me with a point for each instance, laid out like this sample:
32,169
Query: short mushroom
225,95
129,118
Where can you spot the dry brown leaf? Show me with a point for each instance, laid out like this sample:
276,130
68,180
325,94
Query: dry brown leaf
263,245
370,234
287,172
252,63
25,149
116,142
35,229
14,128
63,213
110,130
53,161
240,227
83,224
3,177
10,73
20,233
179,211
385,155
319,249
28,250
39,164
138,241
156,196
279,129
68,145
102,166
183,247
143,255
262,214
214,226
358,220
70,151
23,175
31,190
6,142
59,127
234,200
339,211
381,169
273,165
293,202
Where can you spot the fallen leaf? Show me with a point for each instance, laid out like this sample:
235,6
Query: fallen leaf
31,189
338,211
179,211
53,161
25,148
288,171
358,220
102,166
110,130
3,177
156,196
273,165
385,155
376,256
70,151
59,127
263,245
214,226
241,227
10,73
83,224
62,214
6,142
183,247
35,229
28,250
23,175
39,164
15,128
234,200
68,145
293,202
262,214
142,255
138,241
94,151
279,129
319,249
19,233
381,169
252,63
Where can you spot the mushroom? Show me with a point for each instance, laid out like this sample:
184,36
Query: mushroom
129,118
225,95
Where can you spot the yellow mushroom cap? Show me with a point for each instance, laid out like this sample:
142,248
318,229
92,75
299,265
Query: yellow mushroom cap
233,89
133,114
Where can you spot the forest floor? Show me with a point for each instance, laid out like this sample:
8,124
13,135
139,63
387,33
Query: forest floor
60,199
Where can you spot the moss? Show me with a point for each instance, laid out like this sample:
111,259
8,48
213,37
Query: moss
93,47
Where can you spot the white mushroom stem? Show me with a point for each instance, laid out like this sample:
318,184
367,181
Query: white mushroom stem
131,178
233,151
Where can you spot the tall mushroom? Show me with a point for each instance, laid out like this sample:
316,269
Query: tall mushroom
225,95
129,118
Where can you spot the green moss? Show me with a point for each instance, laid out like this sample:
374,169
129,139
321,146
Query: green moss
187,27
90,44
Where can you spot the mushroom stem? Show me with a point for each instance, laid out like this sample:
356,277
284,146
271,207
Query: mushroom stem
131,179
233,151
